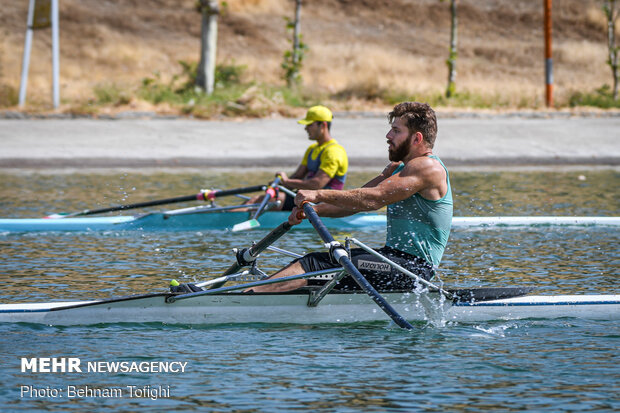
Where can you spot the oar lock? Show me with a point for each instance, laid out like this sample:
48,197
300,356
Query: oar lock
336,251
244,256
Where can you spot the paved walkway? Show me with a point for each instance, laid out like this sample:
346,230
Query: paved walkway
476,141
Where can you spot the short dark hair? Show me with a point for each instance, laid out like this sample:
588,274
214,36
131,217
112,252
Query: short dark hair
329,124
419,117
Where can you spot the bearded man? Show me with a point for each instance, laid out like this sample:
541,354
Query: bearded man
415,187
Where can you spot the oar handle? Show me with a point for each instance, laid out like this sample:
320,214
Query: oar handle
340,255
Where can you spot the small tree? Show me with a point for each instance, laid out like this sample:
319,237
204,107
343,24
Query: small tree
451,62
293,58
609,7
205,78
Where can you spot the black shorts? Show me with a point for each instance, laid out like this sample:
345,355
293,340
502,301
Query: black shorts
289,203
379,274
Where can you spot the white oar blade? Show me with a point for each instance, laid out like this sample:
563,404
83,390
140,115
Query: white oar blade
243,226
55,216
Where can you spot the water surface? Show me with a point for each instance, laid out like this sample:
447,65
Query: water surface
532,365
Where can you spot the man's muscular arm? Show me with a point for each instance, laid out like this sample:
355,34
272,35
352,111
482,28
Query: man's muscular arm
318,181
419,175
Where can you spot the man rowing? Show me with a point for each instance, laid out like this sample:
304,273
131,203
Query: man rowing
415,187
324,164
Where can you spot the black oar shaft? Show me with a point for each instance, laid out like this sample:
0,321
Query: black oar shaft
227,192
247,255
346,263
141,204
272,237
199,196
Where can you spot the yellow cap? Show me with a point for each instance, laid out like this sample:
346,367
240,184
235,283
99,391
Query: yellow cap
174,283
317,114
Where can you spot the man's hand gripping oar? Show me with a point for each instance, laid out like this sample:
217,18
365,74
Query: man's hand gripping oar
204,195
340,255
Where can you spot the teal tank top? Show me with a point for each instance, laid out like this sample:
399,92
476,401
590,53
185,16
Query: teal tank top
419,226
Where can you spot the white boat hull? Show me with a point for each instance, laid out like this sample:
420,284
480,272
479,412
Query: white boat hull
292,308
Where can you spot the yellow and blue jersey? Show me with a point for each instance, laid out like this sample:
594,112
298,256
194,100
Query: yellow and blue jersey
330,158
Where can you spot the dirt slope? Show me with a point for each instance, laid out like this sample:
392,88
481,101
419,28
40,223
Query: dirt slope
355,46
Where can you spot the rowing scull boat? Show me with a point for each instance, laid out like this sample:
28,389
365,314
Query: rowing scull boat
193,304
226,307
164,221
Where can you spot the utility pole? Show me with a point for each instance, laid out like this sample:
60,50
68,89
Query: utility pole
548,58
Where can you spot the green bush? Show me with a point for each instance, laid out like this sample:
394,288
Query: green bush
231,95
227,74
182,89
8,96
600,98
110,93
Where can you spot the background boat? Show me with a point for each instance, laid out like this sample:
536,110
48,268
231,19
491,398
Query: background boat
271,219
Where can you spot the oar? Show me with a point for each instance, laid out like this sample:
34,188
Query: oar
253,223
225,278
204,195
339,254
247,256
286,191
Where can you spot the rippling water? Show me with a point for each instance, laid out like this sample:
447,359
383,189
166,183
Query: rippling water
533,365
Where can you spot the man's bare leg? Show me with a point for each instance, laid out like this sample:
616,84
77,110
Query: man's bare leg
291,269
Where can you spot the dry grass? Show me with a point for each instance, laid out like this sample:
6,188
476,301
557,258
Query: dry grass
342,66
360,51
256,6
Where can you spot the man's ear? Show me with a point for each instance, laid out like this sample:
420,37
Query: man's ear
418,138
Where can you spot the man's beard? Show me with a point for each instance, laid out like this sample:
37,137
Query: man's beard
402,150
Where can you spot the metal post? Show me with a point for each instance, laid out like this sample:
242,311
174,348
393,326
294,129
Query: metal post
548,58
55,52
206,69
26,58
